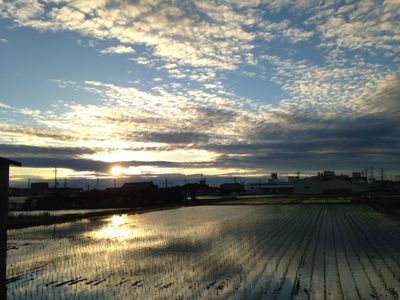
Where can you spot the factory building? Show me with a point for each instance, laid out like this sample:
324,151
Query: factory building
336,186
308,186
328,183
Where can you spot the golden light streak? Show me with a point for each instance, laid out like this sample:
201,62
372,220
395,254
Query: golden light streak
118,227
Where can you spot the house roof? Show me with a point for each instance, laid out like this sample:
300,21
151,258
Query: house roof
5,161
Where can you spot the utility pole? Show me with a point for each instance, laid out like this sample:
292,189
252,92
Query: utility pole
4,187
65,182
98,182
382,174
166,183
55,177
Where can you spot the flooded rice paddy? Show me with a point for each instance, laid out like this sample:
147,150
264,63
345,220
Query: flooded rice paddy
211,252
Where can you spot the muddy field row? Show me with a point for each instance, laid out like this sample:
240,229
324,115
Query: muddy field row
215,252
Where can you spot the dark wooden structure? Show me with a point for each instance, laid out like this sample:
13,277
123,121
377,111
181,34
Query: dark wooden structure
4,180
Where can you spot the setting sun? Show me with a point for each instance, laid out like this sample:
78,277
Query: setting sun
116,171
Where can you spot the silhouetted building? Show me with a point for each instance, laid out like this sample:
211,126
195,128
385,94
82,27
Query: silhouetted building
269,188
336,186
235,187
328,174
16,203
292,179
359,188
4,185
65,191
329,185
196,189
39,187
18,192
138,186
308,186
387,186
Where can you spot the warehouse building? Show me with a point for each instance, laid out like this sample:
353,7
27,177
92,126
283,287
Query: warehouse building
308,186
328,185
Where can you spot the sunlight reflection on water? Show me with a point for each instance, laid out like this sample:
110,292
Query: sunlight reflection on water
117,227
230,252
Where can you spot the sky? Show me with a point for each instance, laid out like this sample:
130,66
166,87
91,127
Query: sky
179,88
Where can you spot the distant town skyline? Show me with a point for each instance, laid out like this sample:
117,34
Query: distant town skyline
179,88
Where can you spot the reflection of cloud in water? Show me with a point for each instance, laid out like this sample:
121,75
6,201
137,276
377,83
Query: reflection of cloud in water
209,253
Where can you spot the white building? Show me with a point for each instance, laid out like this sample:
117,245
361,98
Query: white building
321,185
308,186
336,186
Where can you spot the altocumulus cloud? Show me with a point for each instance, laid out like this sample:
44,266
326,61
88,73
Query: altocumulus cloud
120,49
341,109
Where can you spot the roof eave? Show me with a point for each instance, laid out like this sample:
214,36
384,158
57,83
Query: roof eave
5,161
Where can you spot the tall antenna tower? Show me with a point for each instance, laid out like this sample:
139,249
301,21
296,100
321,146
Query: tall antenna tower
382,174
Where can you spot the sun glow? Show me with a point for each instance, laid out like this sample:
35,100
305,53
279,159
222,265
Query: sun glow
181,155
116,171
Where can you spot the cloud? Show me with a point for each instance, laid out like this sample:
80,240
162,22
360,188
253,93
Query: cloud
296,35
22,10
283,29
198,35
386,99
4,41
347,145
339,101
288,136
363,26
294,5
183,138
5,106
120,49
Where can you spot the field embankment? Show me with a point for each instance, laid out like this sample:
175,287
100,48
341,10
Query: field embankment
23,221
